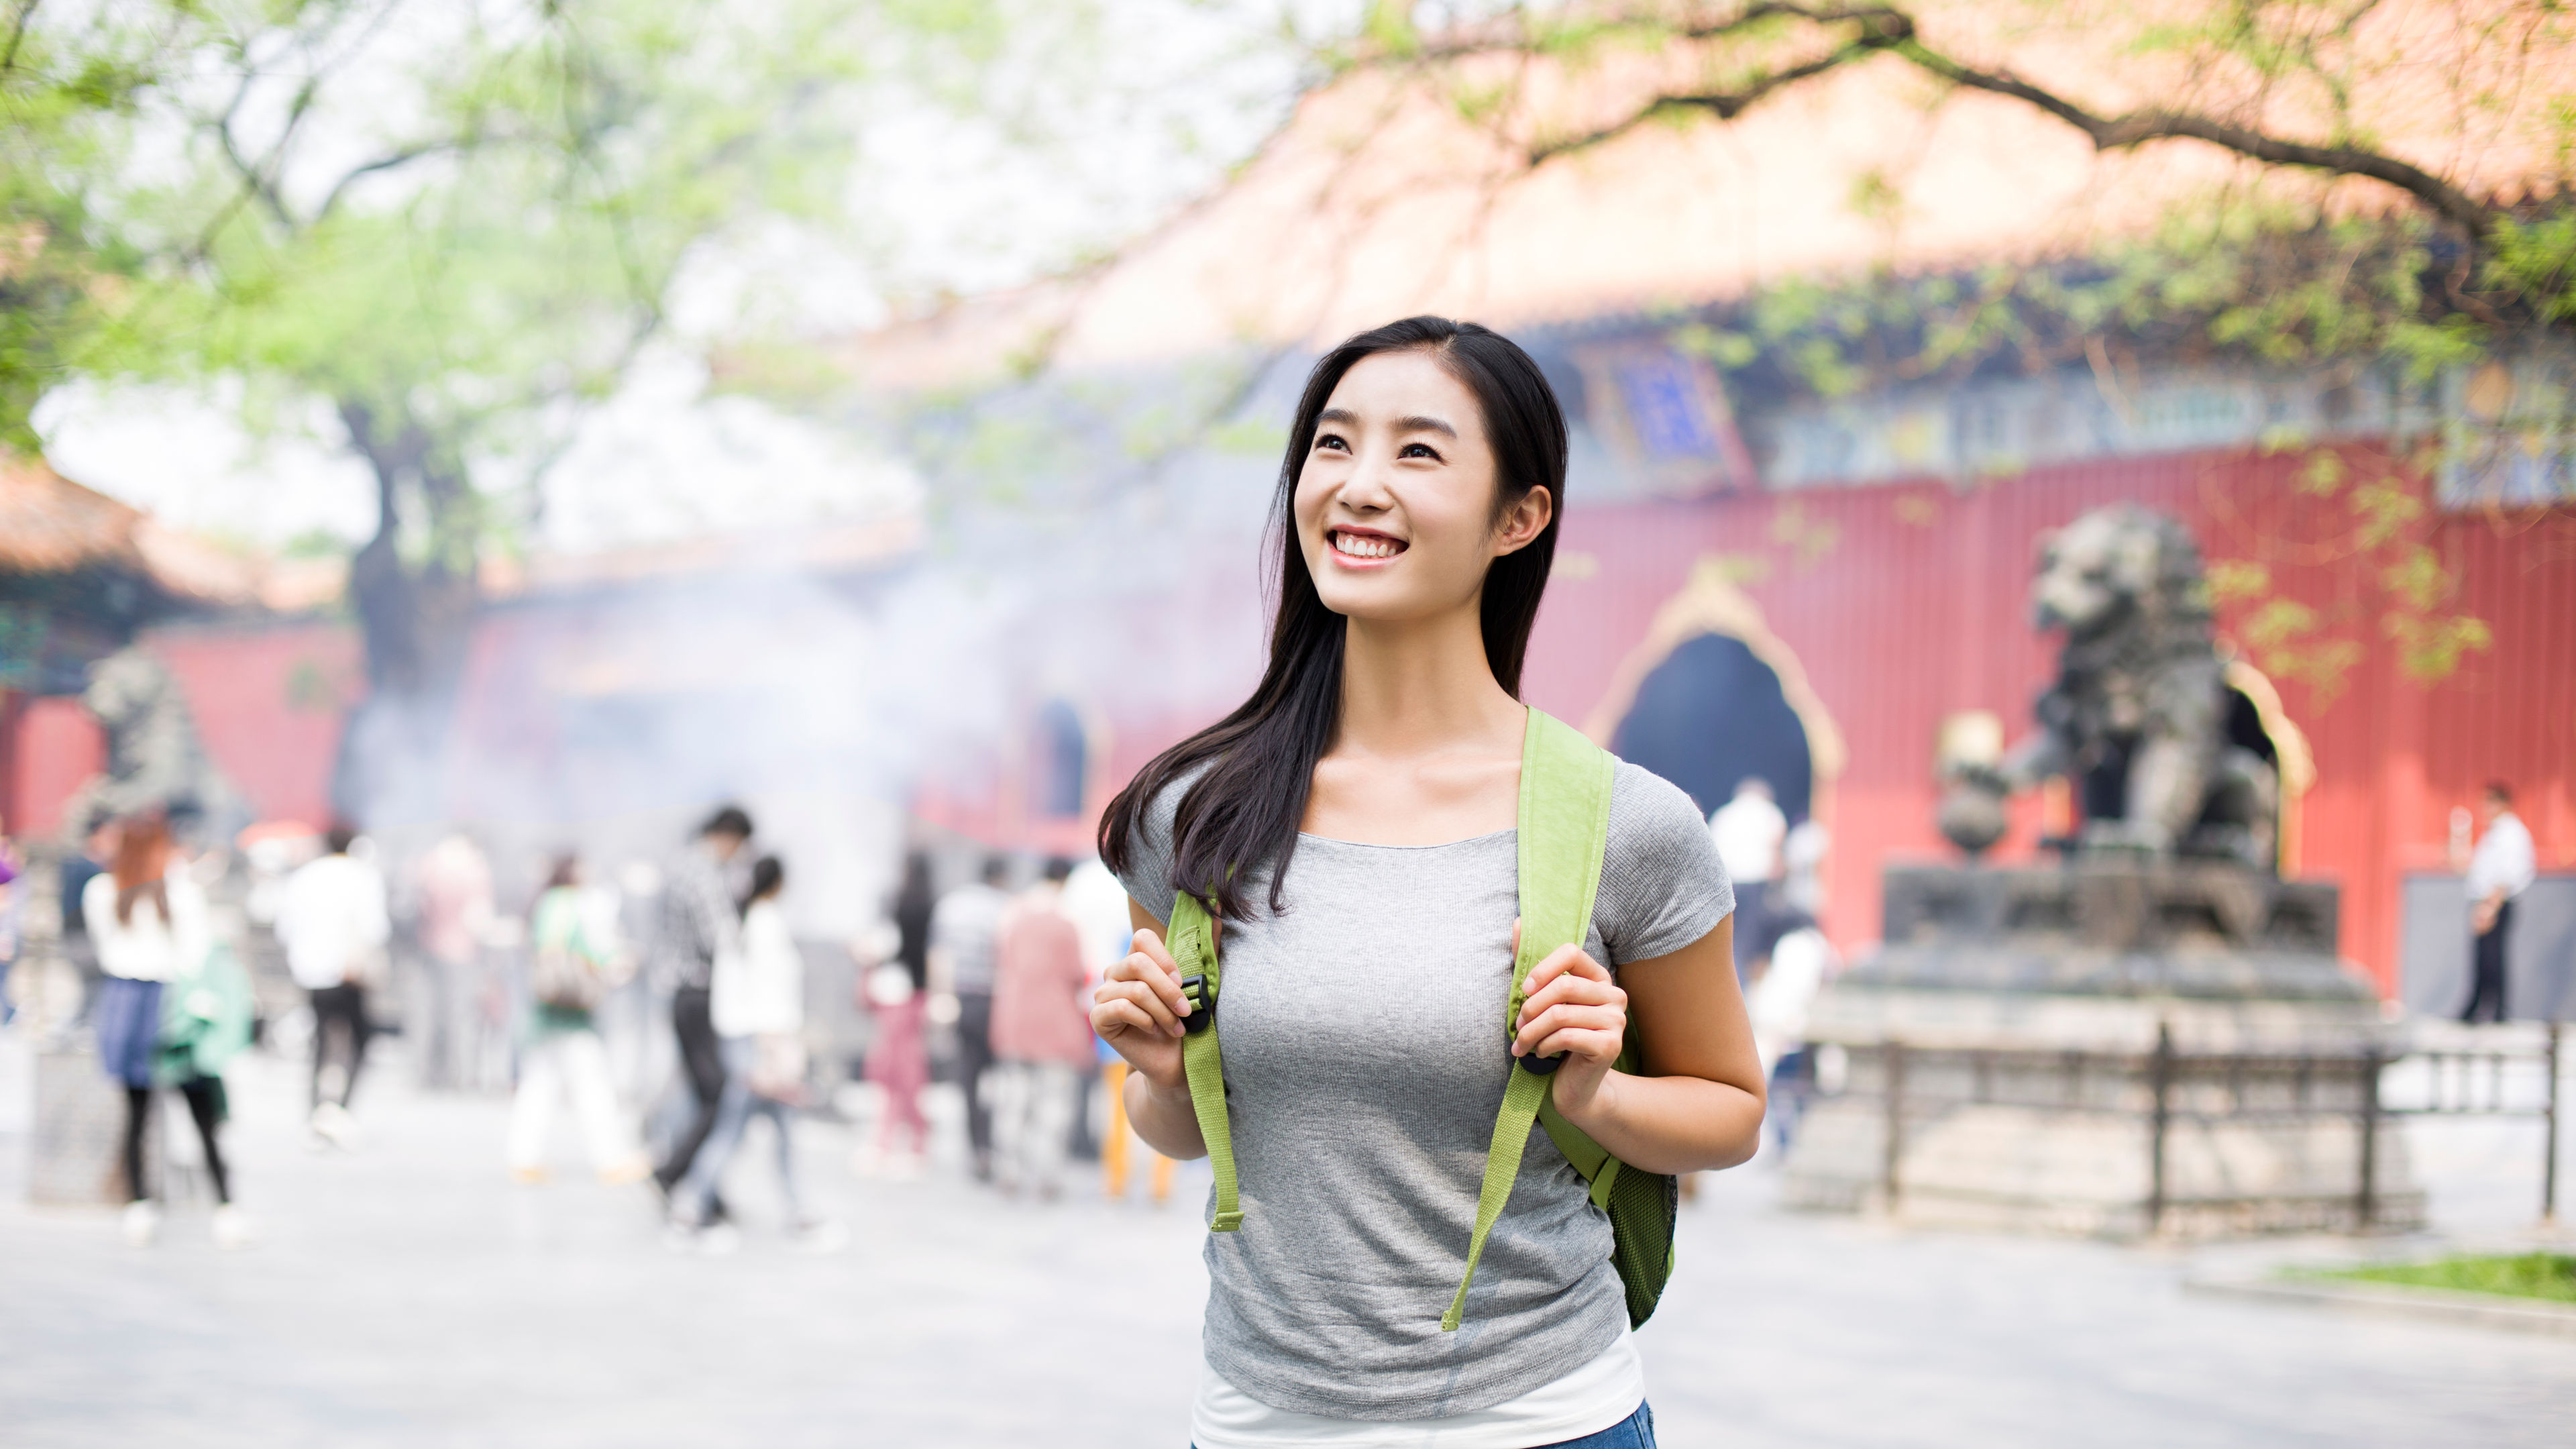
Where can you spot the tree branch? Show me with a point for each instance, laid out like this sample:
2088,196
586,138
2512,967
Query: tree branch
1725,105
403,157
253,181
1886,30
1881,29
2117,133
18,33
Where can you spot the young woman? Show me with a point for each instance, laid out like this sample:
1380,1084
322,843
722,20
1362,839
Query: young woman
757,1002
149,921
576,964
1352,826
896,995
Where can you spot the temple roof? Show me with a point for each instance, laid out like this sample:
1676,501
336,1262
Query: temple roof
52,525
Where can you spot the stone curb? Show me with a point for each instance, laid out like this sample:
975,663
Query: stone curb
2436,1304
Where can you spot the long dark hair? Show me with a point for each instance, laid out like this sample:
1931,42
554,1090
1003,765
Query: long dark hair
565,871
1260,760
914,905
768,875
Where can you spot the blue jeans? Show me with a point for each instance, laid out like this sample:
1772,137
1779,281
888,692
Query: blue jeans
1637,1431
695,1196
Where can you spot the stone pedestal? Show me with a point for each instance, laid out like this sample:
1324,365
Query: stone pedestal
2113,1048
78,1137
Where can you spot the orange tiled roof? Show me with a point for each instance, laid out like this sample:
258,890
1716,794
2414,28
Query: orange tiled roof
52,525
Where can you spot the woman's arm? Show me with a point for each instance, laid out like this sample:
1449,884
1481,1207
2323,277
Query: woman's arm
1697,1101
1138,1011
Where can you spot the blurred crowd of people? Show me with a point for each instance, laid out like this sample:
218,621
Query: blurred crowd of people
664,1012
1009,975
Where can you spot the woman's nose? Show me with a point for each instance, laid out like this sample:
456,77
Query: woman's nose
1367,488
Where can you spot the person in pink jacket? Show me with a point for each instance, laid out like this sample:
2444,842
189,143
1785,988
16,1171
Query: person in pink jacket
1041,1036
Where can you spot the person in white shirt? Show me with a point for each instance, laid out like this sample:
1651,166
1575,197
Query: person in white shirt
1751,833
1778,1005
150,923
757,1003
332,923
1802,868
2501,870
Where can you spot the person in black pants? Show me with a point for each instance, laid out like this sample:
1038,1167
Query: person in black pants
699,922
205,1099
339,1014
2501,869
702,1062
2486,952
963,933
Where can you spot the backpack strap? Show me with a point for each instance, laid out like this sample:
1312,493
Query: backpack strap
1193,947
1564,828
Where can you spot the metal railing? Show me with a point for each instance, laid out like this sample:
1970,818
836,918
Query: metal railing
2453,1072
2298,1085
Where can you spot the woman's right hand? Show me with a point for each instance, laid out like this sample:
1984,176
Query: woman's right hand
1138,1009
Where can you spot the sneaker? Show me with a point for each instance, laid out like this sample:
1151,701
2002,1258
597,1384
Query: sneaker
333,1124
142,1222
232,1228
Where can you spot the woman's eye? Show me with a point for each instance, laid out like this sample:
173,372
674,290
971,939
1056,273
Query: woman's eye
1332,441
1418,450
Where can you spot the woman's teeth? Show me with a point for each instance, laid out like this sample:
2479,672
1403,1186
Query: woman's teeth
1359,545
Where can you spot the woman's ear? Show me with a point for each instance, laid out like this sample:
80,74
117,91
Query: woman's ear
1524,521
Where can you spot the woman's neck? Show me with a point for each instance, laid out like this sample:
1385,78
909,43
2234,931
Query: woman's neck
1423,687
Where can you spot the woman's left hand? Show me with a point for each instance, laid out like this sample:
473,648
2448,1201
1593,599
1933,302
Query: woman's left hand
1575,1010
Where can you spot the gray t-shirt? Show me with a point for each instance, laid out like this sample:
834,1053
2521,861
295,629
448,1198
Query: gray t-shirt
1364,1065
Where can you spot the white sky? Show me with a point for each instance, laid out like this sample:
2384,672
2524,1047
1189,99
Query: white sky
1177,91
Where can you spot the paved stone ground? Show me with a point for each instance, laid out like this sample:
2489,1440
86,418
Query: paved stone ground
408,1295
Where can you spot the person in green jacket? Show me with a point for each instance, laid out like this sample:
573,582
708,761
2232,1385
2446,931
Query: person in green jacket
574,962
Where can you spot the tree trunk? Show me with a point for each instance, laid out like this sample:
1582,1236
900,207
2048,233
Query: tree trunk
416,616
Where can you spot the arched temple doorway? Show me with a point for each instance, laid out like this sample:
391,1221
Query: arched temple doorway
1711,696
1711,715
2256,721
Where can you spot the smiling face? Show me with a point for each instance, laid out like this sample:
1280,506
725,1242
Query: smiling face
1395,502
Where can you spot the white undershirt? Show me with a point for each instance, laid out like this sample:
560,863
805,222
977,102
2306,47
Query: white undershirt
1592,1398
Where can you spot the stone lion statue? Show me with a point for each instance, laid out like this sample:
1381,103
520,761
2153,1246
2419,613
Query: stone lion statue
155,760
2137,717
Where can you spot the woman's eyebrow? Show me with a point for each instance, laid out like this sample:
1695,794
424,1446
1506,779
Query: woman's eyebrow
1418,423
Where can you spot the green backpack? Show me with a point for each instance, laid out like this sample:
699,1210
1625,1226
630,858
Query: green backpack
1564,824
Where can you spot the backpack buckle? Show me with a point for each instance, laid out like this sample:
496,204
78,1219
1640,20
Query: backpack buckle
1202,1005
1534,1064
